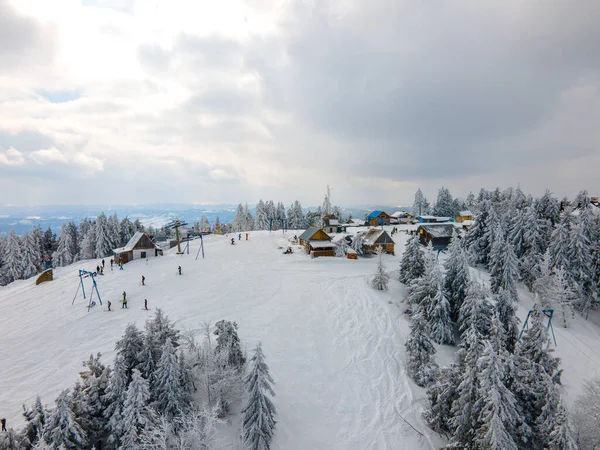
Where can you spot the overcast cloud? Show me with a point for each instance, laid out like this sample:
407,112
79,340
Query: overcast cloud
201,101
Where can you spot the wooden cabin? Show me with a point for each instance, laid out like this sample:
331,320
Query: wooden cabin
376,218
321,248
140,246
313,234
464,215
439,235
376,239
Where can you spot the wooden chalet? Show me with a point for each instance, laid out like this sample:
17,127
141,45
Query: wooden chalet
376,239
438,234
140,246
317,242
464,215
376,218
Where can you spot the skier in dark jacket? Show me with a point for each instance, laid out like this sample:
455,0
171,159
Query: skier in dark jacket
232,241
143,279
179,268
146,304
3,420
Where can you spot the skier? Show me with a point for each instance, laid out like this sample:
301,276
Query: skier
3,420
232,241
111,263
246,236
146,304
102,270
124,304
179,268
98,270
121,265
240,237
108,304
103,264
143,279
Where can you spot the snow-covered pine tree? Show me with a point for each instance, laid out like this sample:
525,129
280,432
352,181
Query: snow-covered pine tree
88,399
258,423
137,414
516,232
38,238
548,207
381,278
262,219
412,265
114,232
228,343
113,399
327,208
295,216
535,246
126,231
506,309
3,245
166,385
35,418
159,330
580,266
13,258
457,279
554,290
475,313
492,227
440,316
444,205
357,243
474,237
129,350
441,395
31,255
204,224
239,221
422,290
62,430
88,243
420,205
497,406
561,436
62,256
137,225
559,242
420,360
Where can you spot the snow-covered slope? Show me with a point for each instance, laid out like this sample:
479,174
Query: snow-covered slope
335,346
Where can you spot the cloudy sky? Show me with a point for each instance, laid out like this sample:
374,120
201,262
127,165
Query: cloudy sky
145,101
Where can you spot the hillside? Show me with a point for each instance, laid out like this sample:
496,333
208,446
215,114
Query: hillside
335,346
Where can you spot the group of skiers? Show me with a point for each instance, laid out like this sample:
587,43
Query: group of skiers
239,238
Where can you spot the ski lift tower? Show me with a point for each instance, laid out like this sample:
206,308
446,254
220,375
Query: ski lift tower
175,224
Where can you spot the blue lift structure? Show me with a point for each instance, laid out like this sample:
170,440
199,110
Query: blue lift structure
84,274
548,313
278,219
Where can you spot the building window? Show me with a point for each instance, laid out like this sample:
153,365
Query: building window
143,255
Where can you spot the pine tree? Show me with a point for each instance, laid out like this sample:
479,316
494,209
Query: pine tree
475,313
262,219
516,232
126,231
129,350
444,205
497,405
204,224
492,230
559,242
62,256
420,360
381,278
440,320
31,256
114,232
159,330
35,418
327,208
258,423
88,243
137,225
457,279
420,205
249,220
295,216
441,395
422,290
561,436
13,257
228,343
239,221
137,414
357,244
412,265
113,399
580,265
167,387
506,310
62,430
340,248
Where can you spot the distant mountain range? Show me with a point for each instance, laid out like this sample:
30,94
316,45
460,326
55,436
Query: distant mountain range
23,218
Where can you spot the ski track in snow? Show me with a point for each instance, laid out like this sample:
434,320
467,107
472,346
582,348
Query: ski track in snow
334,345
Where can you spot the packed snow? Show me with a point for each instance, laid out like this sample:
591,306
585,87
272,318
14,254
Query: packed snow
334,345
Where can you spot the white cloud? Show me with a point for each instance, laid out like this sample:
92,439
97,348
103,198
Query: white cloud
48,155
11,157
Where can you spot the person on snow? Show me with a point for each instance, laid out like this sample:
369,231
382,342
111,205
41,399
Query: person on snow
121,265
103,264
108,304
124,304
246,236
143,279
3,420
146,304
98,270
240,237
111,262
232,241
102,270
179,269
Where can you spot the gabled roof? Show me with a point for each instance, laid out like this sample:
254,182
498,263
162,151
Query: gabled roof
466,213
438,230
399,214
375,214
372,236
334,222
132,243
310,232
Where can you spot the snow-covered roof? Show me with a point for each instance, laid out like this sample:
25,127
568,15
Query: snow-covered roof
399,214
466,213
355,223
438,230
309,233
131,243
427,217
322,244
443,219
371,236
334,222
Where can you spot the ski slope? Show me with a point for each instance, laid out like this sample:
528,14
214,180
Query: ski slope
334,345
